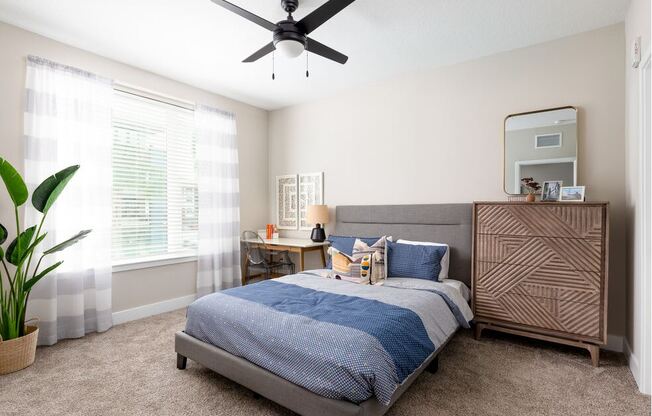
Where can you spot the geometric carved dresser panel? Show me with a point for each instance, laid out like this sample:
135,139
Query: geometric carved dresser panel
540,270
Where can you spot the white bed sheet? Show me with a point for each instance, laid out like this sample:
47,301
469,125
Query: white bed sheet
456,284
463,289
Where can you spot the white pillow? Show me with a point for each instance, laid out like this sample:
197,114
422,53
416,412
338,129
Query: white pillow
445,261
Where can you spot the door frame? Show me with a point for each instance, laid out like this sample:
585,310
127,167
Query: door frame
644,327
519,163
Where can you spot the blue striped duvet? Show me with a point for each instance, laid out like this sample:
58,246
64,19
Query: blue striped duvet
338,339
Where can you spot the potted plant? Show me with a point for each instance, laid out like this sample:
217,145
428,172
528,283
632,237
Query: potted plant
17,276
532,188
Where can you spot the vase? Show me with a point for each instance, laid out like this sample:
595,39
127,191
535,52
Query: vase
18,353
530,198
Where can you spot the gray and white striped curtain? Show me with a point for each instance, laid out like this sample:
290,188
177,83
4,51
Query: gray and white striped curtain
219,201
67,121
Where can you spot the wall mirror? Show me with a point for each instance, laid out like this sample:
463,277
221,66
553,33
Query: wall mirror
541,145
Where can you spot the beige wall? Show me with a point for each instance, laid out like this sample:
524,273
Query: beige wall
145,286
637,24
432,137
435,136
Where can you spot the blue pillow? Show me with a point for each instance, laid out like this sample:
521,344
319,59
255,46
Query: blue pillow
417,261
345,244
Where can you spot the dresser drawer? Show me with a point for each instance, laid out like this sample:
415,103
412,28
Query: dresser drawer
559,220
562,253
547,280
565,317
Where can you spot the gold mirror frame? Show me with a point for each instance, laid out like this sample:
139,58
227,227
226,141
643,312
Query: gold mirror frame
577,145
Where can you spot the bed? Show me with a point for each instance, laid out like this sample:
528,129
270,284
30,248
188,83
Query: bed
354,349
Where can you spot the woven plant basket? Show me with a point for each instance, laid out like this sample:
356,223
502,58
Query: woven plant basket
18,353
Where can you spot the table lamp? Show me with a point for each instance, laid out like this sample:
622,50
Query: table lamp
318,215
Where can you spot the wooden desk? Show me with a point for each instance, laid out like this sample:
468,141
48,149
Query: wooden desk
293,245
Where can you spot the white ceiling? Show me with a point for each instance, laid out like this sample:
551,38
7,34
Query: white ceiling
199,43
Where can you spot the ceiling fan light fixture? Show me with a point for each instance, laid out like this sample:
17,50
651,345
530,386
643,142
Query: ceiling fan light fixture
290,48
290,38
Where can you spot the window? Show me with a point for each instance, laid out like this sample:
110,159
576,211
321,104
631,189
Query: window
544,141
154,180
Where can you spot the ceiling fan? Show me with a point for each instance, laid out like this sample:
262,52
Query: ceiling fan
290,37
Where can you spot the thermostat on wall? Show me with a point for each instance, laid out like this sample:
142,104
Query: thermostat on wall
636,52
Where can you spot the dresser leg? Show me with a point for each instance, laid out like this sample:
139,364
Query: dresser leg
594,350
477,333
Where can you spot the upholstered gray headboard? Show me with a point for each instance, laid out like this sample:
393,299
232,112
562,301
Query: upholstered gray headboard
440,223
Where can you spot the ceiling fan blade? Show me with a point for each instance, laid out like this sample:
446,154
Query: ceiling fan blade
261,52
246,14
323,50
322,14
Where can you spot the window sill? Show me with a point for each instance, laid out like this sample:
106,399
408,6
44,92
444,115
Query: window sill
149,262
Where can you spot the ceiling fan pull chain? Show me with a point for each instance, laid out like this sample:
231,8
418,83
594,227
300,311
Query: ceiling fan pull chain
273,75
307,72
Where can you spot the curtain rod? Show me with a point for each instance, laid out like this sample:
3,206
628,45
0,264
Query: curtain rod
127,89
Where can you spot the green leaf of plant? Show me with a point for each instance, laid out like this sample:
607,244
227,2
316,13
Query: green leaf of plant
14,254
72,240
49,190
25,252
14,183
31,248
34,280
3,234
2,254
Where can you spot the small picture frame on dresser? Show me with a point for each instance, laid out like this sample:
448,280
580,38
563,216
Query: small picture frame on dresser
551,191
572,194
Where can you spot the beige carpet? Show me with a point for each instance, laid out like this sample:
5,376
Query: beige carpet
130,370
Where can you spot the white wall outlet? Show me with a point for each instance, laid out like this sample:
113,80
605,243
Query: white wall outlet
636,52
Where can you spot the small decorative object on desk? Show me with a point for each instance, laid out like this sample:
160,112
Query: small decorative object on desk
572,194
551,190
532,188
317,214
272,232
271,229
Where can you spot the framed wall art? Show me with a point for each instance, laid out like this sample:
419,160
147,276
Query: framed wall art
311,192
287,202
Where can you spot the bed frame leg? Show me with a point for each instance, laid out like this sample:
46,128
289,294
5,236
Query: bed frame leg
434,365
181,362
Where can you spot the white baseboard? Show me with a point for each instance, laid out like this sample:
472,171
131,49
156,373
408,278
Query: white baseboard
144,311
615,343
635,368
633,363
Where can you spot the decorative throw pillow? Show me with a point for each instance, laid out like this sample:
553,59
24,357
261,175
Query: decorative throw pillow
377,252
417,261
345,244
445,261
345,267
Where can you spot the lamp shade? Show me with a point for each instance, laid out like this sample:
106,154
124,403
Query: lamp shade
317,214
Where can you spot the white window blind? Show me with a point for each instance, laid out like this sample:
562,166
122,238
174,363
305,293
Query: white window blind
154,180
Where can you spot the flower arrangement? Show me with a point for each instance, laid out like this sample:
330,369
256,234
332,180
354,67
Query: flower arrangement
531,186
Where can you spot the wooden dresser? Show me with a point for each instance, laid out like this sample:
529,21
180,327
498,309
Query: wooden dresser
540,270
